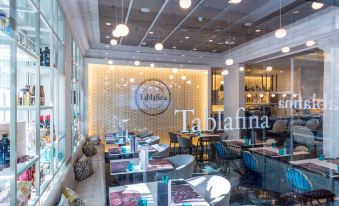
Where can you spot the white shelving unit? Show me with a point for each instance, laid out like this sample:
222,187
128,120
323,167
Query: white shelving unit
33,118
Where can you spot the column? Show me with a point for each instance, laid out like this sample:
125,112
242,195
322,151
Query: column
234,86
330,47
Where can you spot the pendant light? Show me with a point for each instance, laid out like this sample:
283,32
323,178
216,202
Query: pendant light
281,32
115,32
229,61
122,29
285,49
158,46
185,4
114,42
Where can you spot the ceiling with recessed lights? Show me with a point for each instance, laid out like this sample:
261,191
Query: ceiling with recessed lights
207,26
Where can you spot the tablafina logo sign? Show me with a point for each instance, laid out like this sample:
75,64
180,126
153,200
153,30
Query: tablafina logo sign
236,123
153,97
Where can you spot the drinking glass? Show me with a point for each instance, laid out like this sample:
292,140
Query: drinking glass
247,141
274,145
165,179
142,202
123,149
321,157
281,151
130,166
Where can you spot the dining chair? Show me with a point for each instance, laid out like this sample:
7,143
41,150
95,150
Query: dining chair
303,190
174,141
227,154
183,168
249,177
213,188
186,145
279,126
303,136
270,141
312,124
301,148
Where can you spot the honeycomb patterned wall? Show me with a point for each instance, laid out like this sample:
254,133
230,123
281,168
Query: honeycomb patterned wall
111,98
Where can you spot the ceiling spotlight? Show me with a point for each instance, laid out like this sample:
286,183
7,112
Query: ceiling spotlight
261,95
143,43
185,4
249,95
122,29
174,70
107,37
187,37
110,62
272,95
189,82
284,95
229,62
225,72
115,33
285,49
310,43
211,40
114,42
295,95
258,30
108,24
183,78
194,49
151,65
241,69
171,76
280,33
222,82
131,80
137,63
145,10
317,5
158,46
269,68
234,1
151,32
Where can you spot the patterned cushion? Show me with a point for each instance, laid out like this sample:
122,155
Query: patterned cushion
89,150
83,168
72,197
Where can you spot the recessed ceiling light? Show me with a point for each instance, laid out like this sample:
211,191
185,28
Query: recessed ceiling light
131,79
258,30
241,69
185,4
110,62
285,49
181,41
296,12
195,49
269,68
220,43
107,46
214,50
158,46
151,32
211,40
143,43
310,43
187,37
225,72
174,70
137,63
234,1
174,47
138,51
189,82
107,37
248,24
151,65
145,10
200,19
114,42
108,24
317,5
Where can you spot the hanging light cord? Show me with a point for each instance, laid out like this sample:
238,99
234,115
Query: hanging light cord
280,13
229,44
122,11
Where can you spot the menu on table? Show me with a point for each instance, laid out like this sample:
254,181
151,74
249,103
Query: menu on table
184,193
124,198
160,164
118,166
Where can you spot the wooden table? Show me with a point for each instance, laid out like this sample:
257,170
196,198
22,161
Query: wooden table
241,143
114,151
154,165
156,194
326,167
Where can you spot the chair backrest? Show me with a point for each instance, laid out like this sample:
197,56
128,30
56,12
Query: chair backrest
184,142
249,161
270,141
298,181
164,153
183,165
220,150
303,135
214,189
312,124
279,125
173,137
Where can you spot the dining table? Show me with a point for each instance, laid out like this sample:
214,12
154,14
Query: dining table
274,152
241,143
171,193
328,167
133,166
125,151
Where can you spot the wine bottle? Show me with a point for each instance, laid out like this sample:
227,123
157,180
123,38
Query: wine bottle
47,57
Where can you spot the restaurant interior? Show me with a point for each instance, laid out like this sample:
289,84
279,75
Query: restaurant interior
169,102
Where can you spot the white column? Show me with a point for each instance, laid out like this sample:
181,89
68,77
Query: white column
234,86
331,96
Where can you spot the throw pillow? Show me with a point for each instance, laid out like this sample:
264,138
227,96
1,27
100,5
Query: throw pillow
63,201
89,150
83,168
72,197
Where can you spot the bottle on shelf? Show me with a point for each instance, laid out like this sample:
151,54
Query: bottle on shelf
42,62
42,96
46,57
5,151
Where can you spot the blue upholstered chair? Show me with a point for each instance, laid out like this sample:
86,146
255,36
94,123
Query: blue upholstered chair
227,155
303,190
